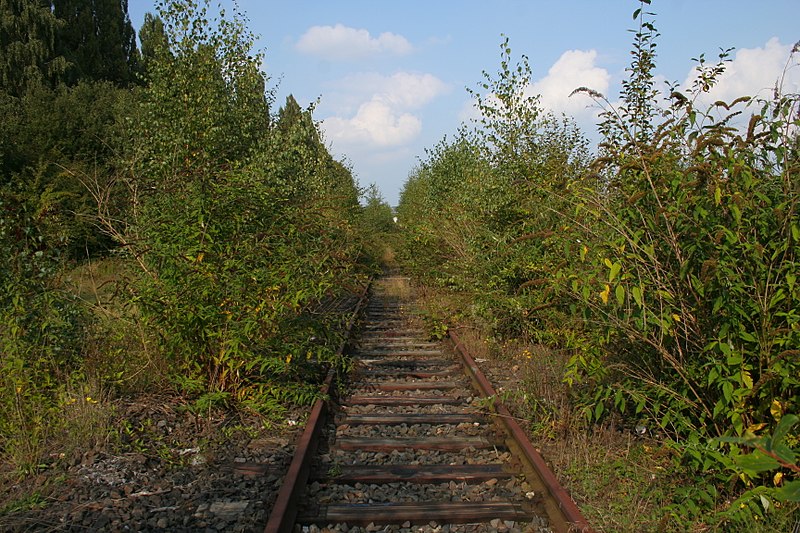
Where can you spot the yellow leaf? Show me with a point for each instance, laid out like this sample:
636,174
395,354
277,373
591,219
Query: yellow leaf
676,317
200,257
605,293
756,427
747,379
776,410
778,478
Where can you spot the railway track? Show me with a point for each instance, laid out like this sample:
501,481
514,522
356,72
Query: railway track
416,445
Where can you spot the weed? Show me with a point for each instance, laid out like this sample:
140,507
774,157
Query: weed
34,500
335,470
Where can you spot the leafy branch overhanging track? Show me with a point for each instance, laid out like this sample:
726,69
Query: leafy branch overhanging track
414,447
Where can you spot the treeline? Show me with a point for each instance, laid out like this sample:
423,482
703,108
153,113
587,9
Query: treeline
666,265
214,229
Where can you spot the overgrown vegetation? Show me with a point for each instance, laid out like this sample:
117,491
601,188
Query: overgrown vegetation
162,225
665,267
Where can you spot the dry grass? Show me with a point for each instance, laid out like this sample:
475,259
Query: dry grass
118,353
86,413
98,282
388,256
397,287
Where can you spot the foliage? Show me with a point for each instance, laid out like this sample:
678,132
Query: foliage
773,454
97,40
153,38
204,107
667,267
66,140
266,226
378,224
473,210
41,331
28,56
688,269
53,139
377,215
244,229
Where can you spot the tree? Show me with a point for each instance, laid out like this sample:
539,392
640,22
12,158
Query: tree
27,46
98,40
153,39
377,213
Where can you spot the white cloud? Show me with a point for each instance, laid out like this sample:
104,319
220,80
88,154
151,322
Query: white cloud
402,89
341,42
375,123
753,72
575,68
383,109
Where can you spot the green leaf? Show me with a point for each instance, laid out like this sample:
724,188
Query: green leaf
755,463
619,292
598,410
746,379
734,358
784,426
615,268
790,492
637,295
727,391
777,298
744,335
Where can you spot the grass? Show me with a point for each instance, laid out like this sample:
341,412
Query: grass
397,287
49,421
118,355
97,282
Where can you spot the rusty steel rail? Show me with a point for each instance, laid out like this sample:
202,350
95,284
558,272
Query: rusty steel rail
568,517
284,512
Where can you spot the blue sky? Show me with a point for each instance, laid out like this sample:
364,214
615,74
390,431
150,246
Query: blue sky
391,75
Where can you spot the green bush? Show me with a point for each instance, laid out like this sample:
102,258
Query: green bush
41,333
667,267
266,227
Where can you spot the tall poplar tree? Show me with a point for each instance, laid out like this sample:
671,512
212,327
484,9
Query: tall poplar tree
98,40
154,40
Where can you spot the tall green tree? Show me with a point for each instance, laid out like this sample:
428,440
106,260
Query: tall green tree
153,39
98,40
28,55
377,213
206,107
